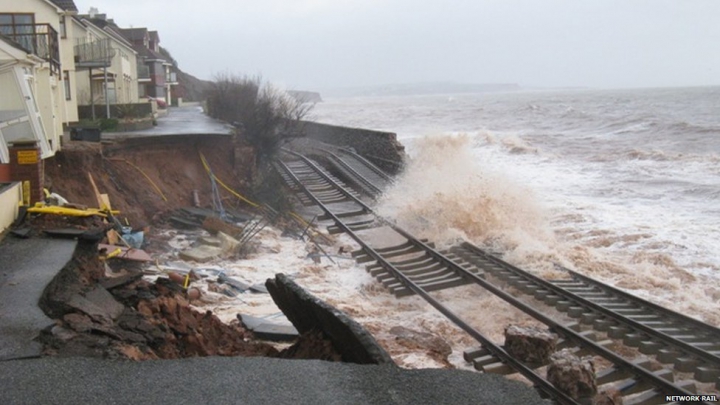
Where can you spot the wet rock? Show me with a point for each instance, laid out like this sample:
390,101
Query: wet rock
573,375
436,346
530,344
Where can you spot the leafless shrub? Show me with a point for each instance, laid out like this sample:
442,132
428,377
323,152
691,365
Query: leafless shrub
264,114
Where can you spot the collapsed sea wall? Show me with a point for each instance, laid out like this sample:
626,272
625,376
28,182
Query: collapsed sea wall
380,147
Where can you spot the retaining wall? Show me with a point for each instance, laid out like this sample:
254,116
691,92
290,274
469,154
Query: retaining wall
381,148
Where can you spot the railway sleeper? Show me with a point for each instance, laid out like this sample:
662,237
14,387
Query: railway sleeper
498,368
471,354
650,347
634,339
402,291
419,263
436,277
401,252
707,374
552,299
603,324
611,374
439,274
421,271
649,397
480,362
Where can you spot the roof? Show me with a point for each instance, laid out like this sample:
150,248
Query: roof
110,29
154,36
134,34
65,4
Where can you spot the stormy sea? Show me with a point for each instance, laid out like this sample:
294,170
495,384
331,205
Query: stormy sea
621,185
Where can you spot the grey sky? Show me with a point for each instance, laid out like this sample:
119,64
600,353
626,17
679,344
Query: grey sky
317,44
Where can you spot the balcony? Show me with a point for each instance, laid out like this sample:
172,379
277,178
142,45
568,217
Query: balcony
93,54
38,39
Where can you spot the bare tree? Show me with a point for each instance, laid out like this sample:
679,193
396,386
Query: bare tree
265,115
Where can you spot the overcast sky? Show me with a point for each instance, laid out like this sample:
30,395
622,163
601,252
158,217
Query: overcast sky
320,44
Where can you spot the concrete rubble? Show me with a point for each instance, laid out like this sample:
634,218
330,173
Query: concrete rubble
573,375
530,344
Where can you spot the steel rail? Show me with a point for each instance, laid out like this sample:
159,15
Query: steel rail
493,348
607,312
619,362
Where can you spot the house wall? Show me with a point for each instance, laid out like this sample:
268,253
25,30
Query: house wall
48,88
67,59
10,198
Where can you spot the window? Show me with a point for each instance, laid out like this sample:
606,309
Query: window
63,29
66,82
19,27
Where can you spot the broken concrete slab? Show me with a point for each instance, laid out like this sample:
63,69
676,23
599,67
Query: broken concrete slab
201,254
308,313
530,344
573,375
267,330
228,244
114,282
234,283
98,303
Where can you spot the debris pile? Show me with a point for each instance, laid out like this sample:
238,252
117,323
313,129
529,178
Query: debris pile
126,316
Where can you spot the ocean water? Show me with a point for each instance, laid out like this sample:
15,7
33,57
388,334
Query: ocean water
622,185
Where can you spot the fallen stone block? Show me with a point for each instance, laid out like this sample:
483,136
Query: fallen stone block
201,254
228,244
530,344
572,375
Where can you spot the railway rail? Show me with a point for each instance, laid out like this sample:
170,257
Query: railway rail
416,267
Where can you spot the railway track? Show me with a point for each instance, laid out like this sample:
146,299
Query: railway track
415,267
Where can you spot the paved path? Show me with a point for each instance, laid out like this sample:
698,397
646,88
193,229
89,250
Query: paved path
26,267
186,120
223,380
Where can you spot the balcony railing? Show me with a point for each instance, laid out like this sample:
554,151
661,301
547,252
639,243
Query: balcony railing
94,54
39,39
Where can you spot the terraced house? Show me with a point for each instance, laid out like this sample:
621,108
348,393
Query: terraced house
58,68
36,66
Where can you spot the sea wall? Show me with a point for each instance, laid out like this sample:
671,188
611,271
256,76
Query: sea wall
308,314
381,148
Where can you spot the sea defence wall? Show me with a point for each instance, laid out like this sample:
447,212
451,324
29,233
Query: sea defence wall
380,147
308,313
